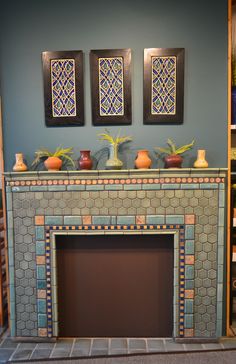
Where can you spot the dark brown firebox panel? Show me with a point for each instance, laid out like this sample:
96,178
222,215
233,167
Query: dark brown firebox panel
115,285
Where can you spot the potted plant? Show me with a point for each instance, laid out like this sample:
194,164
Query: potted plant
173,158
53,160
114,162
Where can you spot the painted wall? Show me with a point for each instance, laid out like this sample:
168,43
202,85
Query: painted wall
30,27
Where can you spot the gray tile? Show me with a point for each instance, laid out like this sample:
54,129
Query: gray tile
79,352
41,354
170,345
82,346
119,351
212,346
137,344
155,345
99,352
119,344
60,353
30,346
5,354
100,344
23,354
45,346
8,344
64,344
190,347
229,343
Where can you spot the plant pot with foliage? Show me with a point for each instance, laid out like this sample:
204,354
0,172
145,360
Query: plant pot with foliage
173,155
53,161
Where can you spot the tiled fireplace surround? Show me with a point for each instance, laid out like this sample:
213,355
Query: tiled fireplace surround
188,203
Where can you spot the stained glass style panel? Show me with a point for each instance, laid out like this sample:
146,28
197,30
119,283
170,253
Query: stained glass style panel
63,88
163,99
111,86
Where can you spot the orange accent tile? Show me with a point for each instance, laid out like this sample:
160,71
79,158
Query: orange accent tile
184,180
55,182
44,183
167,180
66,182
94,181
188,332
89,182
39,220
140,219
72,182
212,180
189,219
118,227
112,227
22,183
111,181
28,183
40,259
206,179
93,227
195,180
105,181
122,181
77,182
83,182
189,259
100,181
162,180
128,181
151,180
86,228
99,227
50,182
145,180
87,220
217,179
139,180
42,332
42,293
189,180
72,227
39,183
134,180
189,293
117,181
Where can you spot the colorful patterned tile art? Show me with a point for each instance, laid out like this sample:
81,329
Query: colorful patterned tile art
111,93
63,87
163,85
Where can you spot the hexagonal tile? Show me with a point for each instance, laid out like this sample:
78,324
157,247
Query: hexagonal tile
202,256
165,202
202,291
20,291
202,309
117,203
184,202
212,274
206,300
207,265
202,273
206,317
212,256
207,282
24,265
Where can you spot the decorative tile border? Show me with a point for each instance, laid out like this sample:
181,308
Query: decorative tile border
182,225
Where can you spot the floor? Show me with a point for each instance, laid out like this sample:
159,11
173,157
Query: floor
65,348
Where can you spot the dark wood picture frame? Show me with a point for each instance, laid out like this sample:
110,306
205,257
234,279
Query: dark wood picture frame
163,118
114,119
77,117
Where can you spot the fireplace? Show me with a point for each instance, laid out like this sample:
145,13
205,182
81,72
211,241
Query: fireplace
115,285
187,205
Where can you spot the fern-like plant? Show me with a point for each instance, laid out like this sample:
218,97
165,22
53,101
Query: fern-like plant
63,153
117,140
173,150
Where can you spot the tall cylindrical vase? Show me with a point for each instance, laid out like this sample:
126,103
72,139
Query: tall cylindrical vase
19,165
113,162
201,159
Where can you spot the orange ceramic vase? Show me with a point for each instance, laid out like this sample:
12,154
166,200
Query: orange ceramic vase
53,163
143,161
19,166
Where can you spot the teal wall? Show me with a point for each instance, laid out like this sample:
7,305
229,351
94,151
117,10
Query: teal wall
29,27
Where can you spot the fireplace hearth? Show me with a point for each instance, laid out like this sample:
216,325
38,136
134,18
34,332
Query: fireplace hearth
188,205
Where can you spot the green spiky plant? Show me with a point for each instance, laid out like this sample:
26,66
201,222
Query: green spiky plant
63,153
173,150
117,140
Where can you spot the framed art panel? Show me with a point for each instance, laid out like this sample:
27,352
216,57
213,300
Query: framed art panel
63,88
111,86
163,87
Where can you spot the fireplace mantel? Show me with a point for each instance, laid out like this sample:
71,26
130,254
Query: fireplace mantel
189,203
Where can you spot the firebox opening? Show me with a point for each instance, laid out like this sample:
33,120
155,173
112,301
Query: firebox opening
115,285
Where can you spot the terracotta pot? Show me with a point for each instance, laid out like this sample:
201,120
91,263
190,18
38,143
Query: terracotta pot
19,166
53,163
201,159
143,160
173,161
85,161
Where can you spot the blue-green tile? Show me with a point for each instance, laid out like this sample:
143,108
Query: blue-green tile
220,273
189,186
174,219
189,271
222,186
75,187
72,220
11,257
221,255
221,198
41,272
12,292
57,188
221,235
38,188
209,186
117,187
20,188
13,327
155,219
188,321
125,220
10,220
151,186
188,306
40,247
41,284
113,220
189,247
8,189
133,187
219,310
41,306
170,186
42,320
39,232
189,284
189,232
9,201
101,220
95,187
53,220
221,216
10,238
219,292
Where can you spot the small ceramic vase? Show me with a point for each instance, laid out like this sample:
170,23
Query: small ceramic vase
143,161
113,162
201,159
85,161
173,161
19,166
53,164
